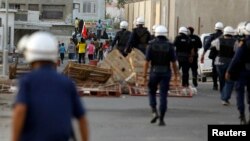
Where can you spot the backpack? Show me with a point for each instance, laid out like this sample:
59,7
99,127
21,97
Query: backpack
123,38
142,35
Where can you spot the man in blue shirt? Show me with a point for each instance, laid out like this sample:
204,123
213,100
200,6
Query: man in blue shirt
46,101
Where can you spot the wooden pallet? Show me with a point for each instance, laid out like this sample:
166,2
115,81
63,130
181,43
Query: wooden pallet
119,65
100,90
173,92
82,72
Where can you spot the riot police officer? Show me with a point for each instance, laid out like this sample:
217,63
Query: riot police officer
183,51
121,38
225,48
196,44
242,57
140,37
218,28
160,53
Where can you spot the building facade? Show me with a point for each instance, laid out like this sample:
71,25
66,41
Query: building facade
201,14
89,9
49,15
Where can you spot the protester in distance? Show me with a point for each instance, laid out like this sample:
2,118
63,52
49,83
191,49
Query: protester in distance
81,50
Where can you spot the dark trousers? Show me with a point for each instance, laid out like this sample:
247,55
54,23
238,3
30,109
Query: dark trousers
62,56
100,57
163,80
71,55
184,66
215,74
91,56
194,68
226,86
81,57
243,81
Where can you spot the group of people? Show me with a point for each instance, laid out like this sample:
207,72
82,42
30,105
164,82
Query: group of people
95,50
228,51
37,114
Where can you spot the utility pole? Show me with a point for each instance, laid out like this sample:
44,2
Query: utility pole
5,49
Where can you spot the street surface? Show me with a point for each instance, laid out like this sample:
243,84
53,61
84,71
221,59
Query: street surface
128,118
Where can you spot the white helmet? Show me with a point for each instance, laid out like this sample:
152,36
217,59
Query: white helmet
154,27
241,28
183,30
161,31
41,46
21,45
219,26
247,29
228,30
123,25
139,21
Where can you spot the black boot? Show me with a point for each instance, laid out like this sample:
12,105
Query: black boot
162,122
155,115
195,82
243,120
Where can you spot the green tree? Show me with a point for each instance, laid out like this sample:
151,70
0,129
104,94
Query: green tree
120,3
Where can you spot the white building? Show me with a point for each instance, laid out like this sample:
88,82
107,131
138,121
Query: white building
89,9
11,16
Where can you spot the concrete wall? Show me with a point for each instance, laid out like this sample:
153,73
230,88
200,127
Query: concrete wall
230,12
201,14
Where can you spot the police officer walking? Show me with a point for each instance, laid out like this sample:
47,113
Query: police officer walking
225,48
121,38
160,53
218,27
242,57
139,38
195,42
183,51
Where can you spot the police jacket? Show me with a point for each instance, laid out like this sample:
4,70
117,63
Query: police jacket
241,57
160,53
212,37
195,42
139,36
225,47
183,47
121,39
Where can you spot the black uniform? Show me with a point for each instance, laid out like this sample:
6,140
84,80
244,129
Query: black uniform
207,46
242,57
139,39
121,39
160,53
183,51
195,44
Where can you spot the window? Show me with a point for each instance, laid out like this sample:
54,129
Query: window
89,7
34,7
52,11
17,6
76,6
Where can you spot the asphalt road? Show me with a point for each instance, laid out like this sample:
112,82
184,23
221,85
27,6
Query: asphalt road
128,118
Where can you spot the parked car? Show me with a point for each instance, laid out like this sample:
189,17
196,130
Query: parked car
204,69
